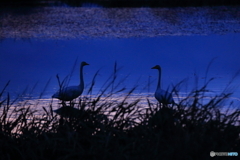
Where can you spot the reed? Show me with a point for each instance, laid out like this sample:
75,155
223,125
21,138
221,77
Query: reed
103,127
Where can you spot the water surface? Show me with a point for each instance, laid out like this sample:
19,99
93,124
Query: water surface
183,41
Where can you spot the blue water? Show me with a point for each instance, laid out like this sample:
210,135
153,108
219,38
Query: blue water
27,62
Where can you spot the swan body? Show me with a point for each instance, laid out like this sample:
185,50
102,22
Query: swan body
71,92
161,95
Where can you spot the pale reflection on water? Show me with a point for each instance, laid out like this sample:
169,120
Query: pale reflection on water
36,105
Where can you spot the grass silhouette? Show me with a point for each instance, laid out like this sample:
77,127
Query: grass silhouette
101,127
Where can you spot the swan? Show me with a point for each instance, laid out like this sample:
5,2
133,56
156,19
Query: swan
161,95
71,92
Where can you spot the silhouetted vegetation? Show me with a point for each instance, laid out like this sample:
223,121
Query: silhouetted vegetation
124,3
105,128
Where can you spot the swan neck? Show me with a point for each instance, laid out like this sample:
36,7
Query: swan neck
81,77
159,79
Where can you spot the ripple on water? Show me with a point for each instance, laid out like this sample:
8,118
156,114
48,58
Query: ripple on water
82,23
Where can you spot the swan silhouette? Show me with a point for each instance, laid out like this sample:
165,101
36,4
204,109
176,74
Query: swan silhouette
161,95
71,92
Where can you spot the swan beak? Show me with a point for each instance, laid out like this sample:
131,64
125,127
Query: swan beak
84,63
156,67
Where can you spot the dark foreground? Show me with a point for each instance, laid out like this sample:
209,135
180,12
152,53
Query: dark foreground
98,128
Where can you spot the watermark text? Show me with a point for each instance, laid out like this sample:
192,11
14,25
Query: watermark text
213,154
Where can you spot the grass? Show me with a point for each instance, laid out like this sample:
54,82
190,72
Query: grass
98,127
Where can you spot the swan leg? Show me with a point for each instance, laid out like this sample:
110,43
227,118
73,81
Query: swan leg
71,104
63,103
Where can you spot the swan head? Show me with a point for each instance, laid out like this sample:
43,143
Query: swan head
84,63
156,67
